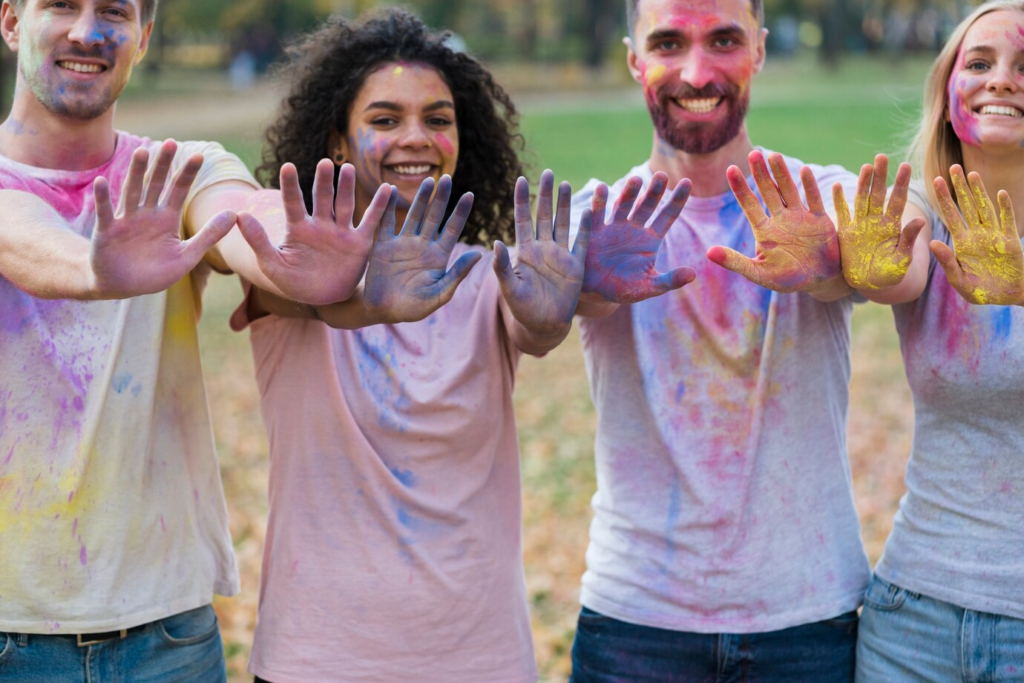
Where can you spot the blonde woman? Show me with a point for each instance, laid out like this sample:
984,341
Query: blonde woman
947,599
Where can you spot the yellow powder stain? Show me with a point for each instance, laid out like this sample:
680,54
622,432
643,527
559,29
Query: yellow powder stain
397,72
655,74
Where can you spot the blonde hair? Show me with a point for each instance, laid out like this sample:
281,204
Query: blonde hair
936,147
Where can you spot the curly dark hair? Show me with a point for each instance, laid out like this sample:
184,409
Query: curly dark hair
328,68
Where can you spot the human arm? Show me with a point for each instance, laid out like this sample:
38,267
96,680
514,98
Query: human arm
540,293
620,267
797,248
986,264
407,277
282,249
134,250
884,248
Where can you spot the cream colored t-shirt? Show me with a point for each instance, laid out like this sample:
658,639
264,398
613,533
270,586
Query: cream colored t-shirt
111,507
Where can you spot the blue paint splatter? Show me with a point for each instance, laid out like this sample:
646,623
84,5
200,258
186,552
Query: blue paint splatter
405,476
121,382
1002,321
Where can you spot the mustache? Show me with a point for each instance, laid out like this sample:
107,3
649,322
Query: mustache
685,91
75,52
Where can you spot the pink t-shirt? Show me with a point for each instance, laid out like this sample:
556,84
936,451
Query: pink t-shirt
393,548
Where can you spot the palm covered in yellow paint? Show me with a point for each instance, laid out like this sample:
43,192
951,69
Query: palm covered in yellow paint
876,249
986,264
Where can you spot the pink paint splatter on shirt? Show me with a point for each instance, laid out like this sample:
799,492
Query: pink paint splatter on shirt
83,557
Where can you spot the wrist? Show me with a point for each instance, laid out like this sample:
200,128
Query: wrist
830,290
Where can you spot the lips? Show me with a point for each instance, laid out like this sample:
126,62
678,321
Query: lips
410,169
704,105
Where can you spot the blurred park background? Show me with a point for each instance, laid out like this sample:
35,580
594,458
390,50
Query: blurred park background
843,81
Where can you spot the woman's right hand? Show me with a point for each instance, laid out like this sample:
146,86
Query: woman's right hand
876,248
406,278
986,264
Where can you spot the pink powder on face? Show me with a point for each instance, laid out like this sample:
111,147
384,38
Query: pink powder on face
965,123
444,143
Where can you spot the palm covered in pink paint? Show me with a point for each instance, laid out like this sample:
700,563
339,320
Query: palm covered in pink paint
621,258
797,248
406,278
543,288
138,249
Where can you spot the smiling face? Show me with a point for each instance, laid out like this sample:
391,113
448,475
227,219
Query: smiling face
695,60
401,130
986,86
76,56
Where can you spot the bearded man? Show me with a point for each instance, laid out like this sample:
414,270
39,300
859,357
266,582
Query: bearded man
725,544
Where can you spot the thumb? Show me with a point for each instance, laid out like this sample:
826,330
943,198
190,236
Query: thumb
211,233
502,261
674,279
947,259
256,237
448,283
908,238
736,262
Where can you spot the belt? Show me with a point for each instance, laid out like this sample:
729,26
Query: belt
87,639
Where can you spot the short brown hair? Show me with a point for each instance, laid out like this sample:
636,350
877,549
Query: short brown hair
148,9
756,7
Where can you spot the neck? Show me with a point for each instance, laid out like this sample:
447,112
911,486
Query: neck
1000,170
705,171
35,136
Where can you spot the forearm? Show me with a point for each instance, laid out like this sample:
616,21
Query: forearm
347,315
39,252
595,308
833,291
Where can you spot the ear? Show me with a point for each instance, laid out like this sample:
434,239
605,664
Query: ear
337,145
761,51
147,33
9,25
633,61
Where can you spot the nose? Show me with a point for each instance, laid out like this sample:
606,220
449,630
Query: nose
696,69
1003,79
415,136
86,31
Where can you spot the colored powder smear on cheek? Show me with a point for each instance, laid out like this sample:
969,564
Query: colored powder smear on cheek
965,123
655,75
444,143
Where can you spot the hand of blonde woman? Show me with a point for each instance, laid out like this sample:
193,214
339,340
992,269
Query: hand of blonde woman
876,249
986,264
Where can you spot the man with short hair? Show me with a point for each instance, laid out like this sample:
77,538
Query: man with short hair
113,525
725,544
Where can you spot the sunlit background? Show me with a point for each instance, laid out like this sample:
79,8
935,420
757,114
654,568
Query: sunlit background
843,82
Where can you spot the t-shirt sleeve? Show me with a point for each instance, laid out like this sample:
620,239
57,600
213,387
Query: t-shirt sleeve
827,176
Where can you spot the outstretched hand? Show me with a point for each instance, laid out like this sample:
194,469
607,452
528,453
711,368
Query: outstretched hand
620,261
543,288
406,278
797,249
321,257
876,249
988,264
138,249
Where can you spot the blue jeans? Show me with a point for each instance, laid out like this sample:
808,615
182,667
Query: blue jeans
610,651
183,648
906,636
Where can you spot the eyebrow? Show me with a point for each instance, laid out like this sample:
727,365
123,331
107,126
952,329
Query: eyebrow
987,49
729,31
394,106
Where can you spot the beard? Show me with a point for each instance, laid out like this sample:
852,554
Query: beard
698,137
68,99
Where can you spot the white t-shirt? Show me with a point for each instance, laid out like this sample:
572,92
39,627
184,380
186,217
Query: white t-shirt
958,535
111,507
724,501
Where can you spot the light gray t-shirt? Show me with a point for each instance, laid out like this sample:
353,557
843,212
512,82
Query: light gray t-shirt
724,501
959,532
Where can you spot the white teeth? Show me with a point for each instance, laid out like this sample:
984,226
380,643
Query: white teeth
412,170
1001,111
699,106
81,68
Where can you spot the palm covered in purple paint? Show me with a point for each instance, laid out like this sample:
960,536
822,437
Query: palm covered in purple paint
321,256
543,288
406,278
138,249
620,261
797,247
